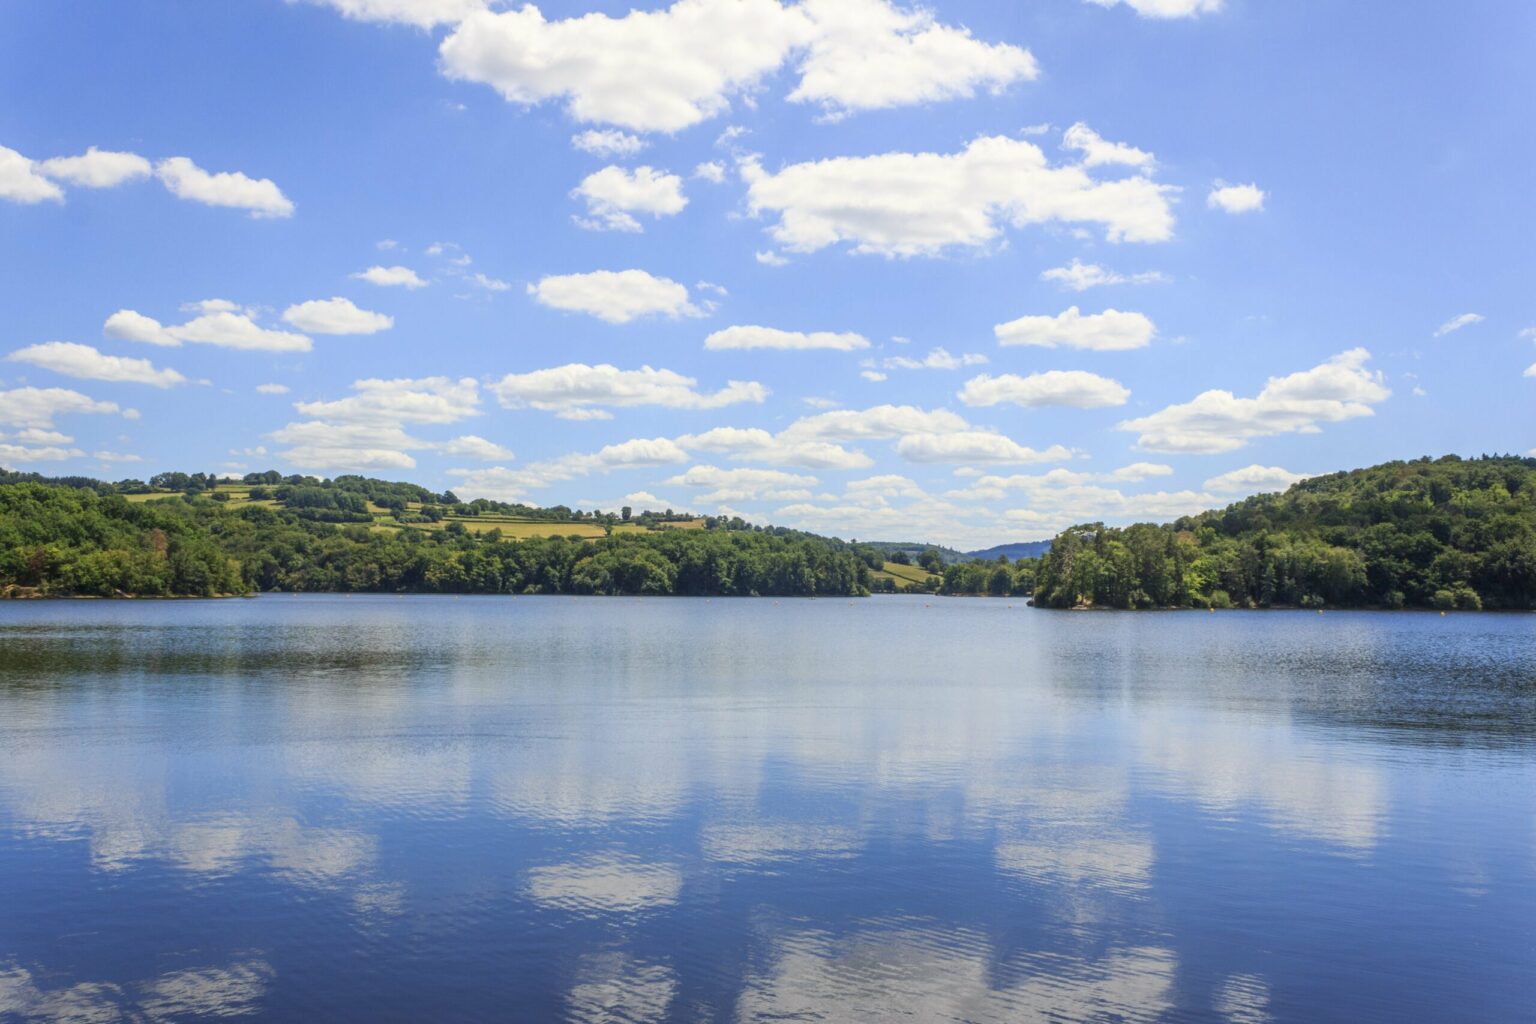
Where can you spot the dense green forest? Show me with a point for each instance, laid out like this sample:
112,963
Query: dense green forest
79,537
1444,533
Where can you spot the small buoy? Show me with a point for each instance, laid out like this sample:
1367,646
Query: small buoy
1319,611
1442,615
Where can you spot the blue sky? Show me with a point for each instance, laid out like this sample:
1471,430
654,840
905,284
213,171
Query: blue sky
1297,238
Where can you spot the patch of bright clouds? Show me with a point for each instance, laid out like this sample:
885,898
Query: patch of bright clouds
609,143
420,13
87,363
922,204
96,168
489,284
502,483
745,484
471,446
22,182
970,446
335,316
937,359
1236,198
260,196
1217,421
1076,389
272,389
221,325
753,337
1254,479
391,277
1100,152
614,195
1456,323
403,400
712,171
667,69
753,444
615,296
38,407
1166,8
1109,331
578,386
1080,276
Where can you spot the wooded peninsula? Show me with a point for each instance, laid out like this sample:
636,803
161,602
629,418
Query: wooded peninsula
1445,533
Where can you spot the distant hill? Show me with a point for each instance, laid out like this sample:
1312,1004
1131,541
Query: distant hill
1026,549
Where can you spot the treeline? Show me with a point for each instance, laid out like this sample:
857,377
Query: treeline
78,540
1445,533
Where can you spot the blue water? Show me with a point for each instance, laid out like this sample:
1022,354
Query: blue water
549,809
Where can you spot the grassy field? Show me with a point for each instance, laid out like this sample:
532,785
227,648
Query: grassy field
906,577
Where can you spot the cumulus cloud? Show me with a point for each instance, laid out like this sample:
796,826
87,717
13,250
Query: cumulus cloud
185,180
750,337
607,143
577,385
87,363
21,181
614,195
1099,152
745,484
872,54
17,453
936,359
1109,331
471,446
335,316
712,171
37,407
667,69
502,483
1080,276
880,421
403,400
271,389
1166,8
753,444
920,204
1253,479
615,296
974,446
219,325
96,168
1217,421
1236,198
1456,323
1076,389
420,13
391,277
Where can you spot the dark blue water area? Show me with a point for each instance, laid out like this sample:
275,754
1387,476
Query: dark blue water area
380,809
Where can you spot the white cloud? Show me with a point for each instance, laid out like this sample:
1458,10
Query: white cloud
752,337
490,284
219,327
1253,479
388,277
511,484
358,446
877,490
1076,389
974,446
1138,471
912,204
880,421
271,389
1530,371
757,445
185,180
936,359
1529,332
613,195
607,143
96,168
745,484
404,400
648,71
471,446
14,453
769,258
1236,198
712,171
874,376
1217,421
1099,152
1109,331
37,407
335,316
1166,8
871,54
1080,276
615,296
86,363
1457,323
20,181
421,13
576,385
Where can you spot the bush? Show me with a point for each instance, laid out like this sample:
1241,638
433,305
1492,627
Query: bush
1221,599
1444,600
1467,599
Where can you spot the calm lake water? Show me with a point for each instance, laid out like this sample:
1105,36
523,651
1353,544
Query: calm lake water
545,809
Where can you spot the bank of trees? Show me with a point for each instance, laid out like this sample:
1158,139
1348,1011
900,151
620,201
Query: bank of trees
81,540
1445,533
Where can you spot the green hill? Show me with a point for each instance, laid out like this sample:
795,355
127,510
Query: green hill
1444,533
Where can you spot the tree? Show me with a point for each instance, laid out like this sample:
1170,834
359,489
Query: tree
626,512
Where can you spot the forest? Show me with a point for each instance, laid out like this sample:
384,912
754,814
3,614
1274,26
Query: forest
1447,533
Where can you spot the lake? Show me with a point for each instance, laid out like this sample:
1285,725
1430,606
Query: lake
554,809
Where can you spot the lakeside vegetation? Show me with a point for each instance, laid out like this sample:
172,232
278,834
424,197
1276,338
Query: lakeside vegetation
192,535
1446,533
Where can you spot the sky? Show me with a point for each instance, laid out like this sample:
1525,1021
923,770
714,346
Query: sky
964,272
